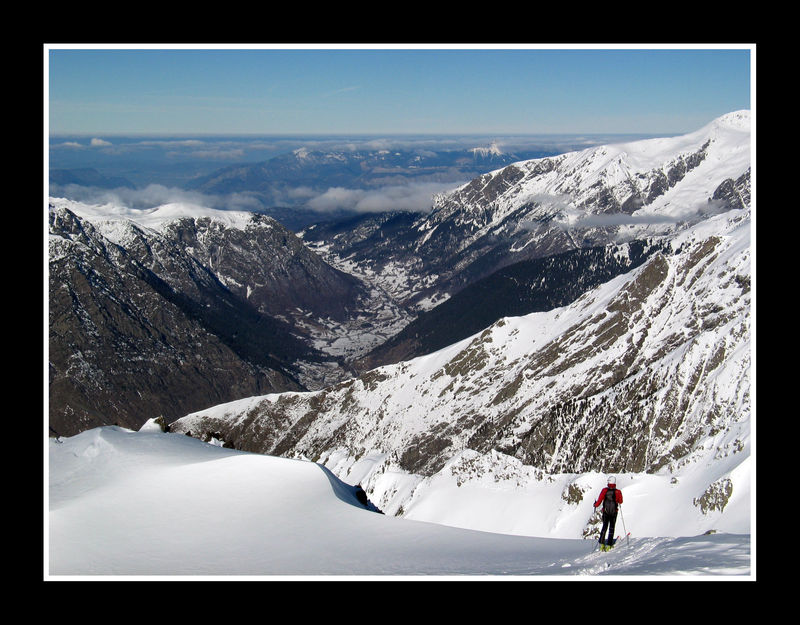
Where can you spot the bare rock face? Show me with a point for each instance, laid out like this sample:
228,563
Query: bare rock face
266,265
143,328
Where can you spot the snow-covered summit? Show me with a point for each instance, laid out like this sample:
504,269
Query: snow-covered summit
156,218
736,120
670,178
493,149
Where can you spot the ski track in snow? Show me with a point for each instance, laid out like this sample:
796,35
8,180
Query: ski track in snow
725,554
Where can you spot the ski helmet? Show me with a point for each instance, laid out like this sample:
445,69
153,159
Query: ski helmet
611,480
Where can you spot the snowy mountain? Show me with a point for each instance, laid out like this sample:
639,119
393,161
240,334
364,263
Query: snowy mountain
647,375
535,208
313,320
486,152
124,503
172,309
505,436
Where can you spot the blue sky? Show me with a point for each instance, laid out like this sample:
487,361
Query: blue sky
392,91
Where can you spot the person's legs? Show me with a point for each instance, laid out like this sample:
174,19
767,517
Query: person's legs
603,530
612,522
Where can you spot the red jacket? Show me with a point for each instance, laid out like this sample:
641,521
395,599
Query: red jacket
603,495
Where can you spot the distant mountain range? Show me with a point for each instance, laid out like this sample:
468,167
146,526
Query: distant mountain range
281,186
319,169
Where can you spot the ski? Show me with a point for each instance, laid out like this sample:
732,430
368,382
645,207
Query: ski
605,548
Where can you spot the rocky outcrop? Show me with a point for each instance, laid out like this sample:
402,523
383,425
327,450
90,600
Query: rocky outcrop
144,329
266,265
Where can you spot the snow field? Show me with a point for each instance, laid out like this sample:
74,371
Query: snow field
142,504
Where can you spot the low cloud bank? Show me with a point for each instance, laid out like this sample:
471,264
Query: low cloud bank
568,217
155,195
411,197
690,213
415,197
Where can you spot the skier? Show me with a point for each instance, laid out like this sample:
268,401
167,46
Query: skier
610,498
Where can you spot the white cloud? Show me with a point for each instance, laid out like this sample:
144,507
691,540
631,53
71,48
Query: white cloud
157,195
99,143
233,154
301,193
411,197
572,218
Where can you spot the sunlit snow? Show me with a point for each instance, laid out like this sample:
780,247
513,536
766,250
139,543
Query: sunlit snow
148,503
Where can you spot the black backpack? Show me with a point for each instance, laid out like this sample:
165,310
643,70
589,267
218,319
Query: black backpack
610,501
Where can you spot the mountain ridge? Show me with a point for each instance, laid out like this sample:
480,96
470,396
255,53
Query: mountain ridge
540,207
660,354
137,325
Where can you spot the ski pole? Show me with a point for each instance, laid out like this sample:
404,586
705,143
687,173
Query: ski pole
627,536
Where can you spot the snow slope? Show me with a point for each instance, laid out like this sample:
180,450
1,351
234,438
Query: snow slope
134,504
